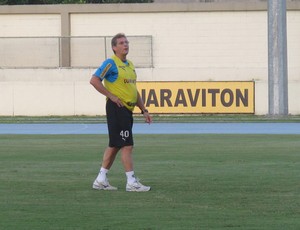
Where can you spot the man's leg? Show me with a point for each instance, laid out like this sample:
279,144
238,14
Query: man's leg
109,156
126,157
101,182
127,161
133,185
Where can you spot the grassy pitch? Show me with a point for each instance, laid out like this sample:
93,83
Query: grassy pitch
198,182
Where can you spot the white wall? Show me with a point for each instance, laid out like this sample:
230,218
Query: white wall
52,92
187,46
28,25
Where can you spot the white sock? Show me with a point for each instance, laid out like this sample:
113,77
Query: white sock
130,177
102,174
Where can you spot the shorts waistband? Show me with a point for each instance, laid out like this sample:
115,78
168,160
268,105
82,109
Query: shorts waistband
131,103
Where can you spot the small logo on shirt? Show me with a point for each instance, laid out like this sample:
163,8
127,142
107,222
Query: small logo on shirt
129,81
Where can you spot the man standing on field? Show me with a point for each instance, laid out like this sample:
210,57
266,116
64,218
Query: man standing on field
119,77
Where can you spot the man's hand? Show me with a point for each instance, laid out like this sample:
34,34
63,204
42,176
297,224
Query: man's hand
116,100
148,118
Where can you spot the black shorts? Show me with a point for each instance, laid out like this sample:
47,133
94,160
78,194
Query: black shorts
119,122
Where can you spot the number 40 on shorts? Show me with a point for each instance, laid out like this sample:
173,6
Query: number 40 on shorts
124,134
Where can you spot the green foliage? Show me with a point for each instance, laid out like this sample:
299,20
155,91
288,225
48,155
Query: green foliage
190,118
41,2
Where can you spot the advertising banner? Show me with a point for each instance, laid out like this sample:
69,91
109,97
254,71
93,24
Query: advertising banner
197,97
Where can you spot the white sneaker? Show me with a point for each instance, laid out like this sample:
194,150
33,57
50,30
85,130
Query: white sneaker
103,185
137,187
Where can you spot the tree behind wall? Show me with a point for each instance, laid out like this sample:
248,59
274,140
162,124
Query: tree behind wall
41,2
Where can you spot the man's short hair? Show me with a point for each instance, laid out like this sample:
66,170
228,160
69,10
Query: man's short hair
116,37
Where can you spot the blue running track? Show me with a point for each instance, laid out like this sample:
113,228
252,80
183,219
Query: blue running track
156,128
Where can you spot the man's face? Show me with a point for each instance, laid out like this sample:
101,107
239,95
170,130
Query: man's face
122,47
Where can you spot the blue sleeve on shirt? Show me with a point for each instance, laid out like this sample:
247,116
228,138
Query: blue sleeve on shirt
107,70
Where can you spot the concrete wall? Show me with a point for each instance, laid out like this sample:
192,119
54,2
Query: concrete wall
191,42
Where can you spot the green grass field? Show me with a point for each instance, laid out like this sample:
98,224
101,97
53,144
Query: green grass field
198,182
